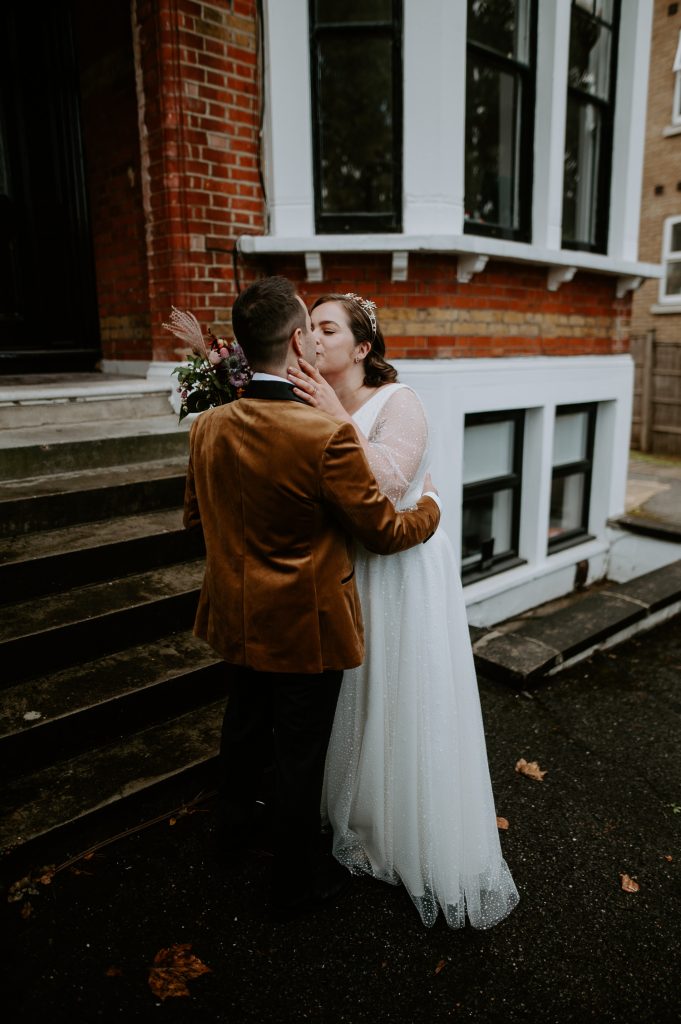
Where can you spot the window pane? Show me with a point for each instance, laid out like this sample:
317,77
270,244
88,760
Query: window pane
605,10
488,451
673,279
569,438
493,99
353,10
589,67
501,25
486,527
582,153
675,240
567,496
356,123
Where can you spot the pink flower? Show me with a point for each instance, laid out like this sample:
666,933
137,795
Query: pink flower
215,357
224,352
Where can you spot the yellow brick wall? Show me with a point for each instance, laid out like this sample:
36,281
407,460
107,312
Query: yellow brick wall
662,167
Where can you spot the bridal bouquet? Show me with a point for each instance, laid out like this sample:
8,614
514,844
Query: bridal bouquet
215,374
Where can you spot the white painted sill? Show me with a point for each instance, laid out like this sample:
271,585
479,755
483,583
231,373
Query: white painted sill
458,245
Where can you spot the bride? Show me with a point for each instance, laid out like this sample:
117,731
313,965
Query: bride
407,788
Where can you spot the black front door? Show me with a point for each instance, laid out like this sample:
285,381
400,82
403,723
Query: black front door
48,311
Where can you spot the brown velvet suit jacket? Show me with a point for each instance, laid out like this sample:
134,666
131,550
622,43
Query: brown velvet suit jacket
280,489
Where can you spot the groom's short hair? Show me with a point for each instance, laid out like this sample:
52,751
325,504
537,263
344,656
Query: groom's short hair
264,316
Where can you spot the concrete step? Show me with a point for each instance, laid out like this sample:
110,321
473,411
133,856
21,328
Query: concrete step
61,714
63,499
646,526
47,801
42,451
52,399
38,563
48,633
526,650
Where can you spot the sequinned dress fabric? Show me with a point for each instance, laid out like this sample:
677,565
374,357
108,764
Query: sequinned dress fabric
407,787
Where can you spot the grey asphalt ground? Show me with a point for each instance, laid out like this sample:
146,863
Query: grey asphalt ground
577,948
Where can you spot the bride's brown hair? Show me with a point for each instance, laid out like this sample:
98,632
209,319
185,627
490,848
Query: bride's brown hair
377,370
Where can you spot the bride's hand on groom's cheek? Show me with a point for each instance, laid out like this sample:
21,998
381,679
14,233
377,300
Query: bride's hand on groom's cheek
309,385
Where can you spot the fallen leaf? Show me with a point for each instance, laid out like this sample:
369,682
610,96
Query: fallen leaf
502,823
668,857
26,886
88,856
173,821
628,884
173,967
531,769
440,966
113,972
26,910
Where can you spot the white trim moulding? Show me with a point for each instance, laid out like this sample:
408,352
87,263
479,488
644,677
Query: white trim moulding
456,245
468,266
558,276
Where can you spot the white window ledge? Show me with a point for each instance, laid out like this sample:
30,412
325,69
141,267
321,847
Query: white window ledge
673,307
672,129
464,245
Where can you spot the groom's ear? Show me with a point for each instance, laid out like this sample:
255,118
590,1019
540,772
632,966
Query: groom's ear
295,343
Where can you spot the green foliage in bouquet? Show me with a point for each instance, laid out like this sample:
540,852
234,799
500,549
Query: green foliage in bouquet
216,374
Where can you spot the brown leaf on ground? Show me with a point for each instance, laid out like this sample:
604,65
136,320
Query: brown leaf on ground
502,823
26,886
441,965
46,874
668,857
628,883
113,972
531,769
173,968
173,821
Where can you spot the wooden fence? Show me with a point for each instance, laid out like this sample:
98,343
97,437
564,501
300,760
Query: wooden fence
656,422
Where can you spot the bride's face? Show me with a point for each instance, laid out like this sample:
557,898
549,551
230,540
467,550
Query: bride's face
335,341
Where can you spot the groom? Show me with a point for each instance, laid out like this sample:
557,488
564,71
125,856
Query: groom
280,490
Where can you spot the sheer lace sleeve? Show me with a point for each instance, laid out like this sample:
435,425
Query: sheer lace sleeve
397,442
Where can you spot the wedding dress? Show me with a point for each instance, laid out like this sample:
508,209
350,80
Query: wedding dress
407,788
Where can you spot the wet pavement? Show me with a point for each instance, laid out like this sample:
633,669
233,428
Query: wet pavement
577,948
654,489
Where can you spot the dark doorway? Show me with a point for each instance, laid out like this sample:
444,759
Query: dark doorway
48,309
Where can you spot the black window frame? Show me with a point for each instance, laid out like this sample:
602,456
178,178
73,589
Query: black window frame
607,111
490,565
569,538
525,169
359,222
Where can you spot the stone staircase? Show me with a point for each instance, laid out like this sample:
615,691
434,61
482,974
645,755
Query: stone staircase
106,698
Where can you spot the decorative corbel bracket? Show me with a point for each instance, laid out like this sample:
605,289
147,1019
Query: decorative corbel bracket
400,267
558,276
467,266
627,284
313,266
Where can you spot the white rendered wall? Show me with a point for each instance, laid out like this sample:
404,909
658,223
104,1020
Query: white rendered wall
450,389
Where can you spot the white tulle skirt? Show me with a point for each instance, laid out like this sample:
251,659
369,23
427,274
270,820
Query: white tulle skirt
407,788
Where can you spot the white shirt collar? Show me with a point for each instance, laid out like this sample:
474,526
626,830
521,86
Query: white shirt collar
268,376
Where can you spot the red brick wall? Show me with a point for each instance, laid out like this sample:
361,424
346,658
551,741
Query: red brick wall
112,158
506,310
201,110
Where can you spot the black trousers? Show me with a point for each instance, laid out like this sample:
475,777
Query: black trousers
284,719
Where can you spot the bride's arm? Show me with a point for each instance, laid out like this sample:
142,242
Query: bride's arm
397,442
